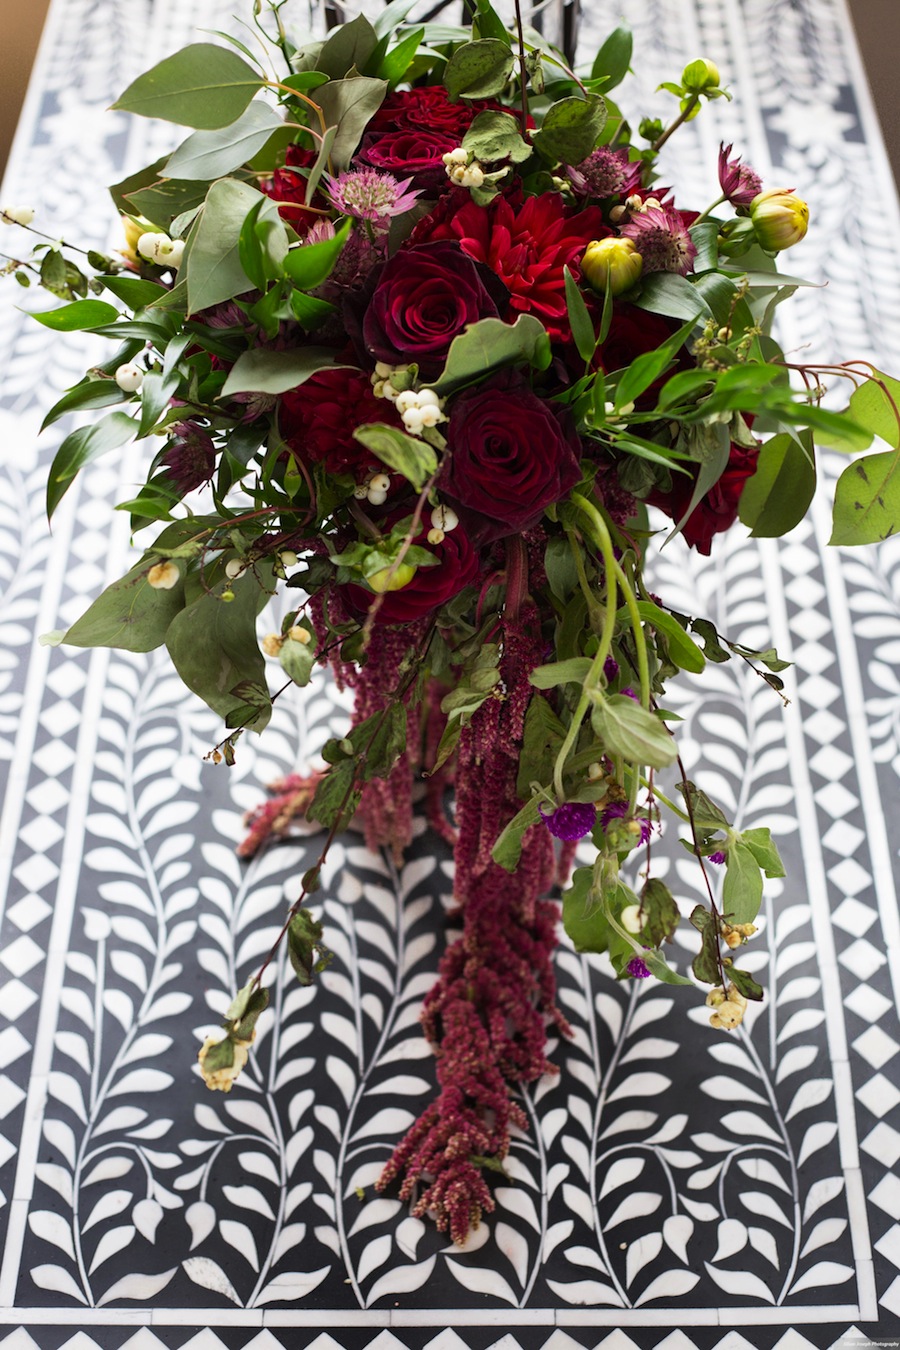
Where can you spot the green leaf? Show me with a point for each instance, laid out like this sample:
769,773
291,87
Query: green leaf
642,372
156,393
614,58
778,495
580,321
508,848
489,344
307,955
662,971
670,294
383,748
478,69
834,430
162,203
488,24
712,647
258,371
706,241
320,164
331,802
89,394
133,291
348,105
83,446
143,178
496,135
745,984
660,912
718,292
213,645
203,85
542,737
571,129
743,885
392,16
867,500
262,247
78,316
212,154
627,729
396,62
706,963
351,44
408,455
684,652
585,923
129,615
759,841
573,671
211,267
870,407
310,264
682,386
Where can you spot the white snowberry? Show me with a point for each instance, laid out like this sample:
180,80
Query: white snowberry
414,419
129,377
435,536
444,518
380,483
149,243
377,498
428,399
17,215
406,400
233,568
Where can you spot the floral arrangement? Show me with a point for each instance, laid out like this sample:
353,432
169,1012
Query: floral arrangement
418,340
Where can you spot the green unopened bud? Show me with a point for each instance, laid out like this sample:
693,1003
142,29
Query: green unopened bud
700,75
612,263
779,218
386,580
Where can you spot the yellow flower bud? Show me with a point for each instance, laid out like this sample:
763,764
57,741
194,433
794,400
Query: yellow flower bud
383,580
700,75
779,218
615,262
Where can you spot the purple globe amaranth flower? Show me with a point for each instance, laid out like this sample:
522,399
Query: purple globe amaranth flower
739,183
572,820
189,459
610,667
605,173
619,811
661,237
718,857
628,692
638,968
369,195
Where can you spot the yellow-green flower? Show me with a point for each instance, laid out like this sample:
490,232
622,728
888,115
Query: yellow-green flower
780,219
612,263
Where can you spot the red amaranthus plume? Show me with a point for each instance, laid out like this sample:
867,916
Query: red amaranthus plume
486,1016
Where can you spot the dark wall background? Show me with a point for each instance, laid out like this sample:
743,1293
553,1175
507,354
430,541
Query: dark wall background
877,26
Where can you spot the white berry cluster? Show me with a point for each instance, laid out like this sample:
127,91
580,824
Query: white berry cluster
374,490
381,380
460,170
443,520
728,1007
156,247
419,408
17,215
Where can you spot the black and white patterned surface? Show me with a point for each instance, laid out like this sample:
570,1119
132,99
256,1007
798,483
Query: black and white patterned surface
678,1189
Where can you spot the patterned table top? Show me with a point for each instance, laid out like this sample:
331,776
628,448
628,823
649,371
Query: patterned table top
138,1210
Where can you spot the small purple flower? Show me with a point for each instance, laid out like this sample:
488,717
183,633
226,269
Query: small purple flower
189,459
610,667
739,183
572,820
606,173
369,195
718,857
619,811
629,693
637,968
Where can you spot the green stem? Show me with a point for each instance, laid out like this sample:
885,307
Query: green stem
712,206
681,118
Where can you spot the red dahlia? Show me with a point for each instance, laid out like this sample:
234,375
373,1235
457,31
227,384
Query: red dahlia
319,417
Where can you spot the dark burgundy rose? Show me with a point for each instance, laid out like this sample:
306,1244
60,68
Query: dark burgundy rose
718,510
412,130
430,588
318,418
414,152
632,332
511,456
423,299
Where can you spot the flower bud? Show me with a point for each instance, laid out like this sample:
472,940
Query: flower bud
383,580
779,218
612,262
129,377
163,576
700,75
17,215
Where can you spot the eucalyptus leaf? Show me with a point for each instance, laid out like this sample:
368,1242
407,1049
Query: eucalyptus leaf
211,267
778,495
347,46
867,500
203,85
212,154
348,105
130,615
259,371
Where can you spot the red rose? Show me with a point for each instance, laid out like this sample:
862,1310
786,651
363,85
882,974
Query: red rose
430,588
290,186
423,299
632,332
526,244
319,417
413,152
718,510
413,129
511,456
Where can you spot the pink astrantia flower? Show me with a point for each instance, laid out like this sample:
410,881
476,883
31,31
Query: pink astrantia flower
190,458
739,183
572,820
605,173
661,237
369,195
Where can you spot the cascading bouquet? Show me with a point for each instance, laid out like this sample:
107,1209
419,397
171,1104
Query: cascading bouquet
412,317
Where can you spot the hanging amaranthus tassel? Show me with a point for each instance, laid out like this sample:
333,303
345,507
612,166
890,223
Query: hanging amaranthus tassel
486,1016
